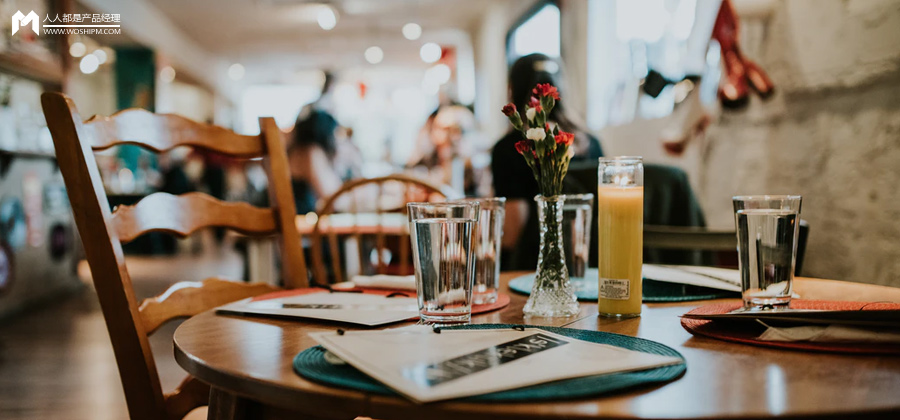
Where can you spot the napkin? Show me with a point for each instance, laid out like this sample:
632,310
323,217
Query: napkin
830,334
384,281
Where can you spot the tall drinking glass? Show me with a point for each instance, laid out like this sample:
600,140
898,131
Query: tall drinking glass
486,248
578,211
767,230
620,221
441,236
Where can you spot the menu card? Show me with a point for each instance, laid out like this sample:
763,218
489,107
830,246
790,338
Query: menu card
353,308
712,277
426,366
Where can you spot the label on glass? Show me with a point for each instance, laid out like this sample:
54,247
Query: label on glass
615,289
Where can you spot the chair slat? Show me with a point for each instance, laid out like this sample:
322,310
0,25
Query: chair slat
185,214
163,132
335,257
404,254
379,234
189,298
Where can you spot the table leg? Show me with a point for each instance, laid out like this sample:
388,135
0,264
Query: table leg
226,406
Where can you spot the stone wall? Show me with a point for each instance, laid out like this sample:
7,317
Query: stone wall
831,133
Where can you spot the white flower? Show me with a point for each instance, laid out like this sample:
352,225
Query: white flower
571,152
530,114
536,134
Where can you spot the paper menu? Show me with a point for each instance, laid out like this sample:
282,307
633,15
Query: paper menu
713,277
425,366
354,308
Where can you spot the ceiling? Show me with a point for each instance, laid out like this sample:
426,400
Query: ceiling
276,37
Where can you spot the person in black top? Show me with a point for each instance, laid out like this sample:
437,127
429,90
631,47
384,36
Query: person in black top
311,157
513,178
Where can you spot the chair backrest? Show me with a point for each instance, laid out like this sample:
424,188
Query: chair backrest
103,231
372,220
722,242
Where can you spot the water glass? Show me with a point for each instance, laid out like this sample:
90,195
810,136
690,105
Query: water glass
441,236
767,230
578,210
486,248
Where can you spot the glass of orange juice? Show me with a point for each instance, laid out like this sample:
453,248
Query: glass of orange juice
620,222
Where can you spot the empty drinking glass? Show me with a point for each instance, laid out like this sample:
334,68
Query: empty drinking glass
486,248
441,236
767,229
578,210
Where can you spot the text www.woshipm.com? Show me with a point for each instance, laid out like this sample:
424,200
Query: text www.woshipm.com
82,31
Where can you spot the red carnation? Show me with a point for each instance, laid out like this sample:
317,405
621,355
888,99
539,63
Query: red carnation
523,146
546,89
509,109
565,138
535,103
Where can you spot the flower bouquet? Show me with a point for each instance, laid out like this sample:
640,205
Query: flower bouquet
547,150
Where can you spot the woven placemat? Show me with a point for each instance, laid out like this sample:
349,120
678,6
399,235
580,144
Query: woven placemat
311,364
748,333
653,291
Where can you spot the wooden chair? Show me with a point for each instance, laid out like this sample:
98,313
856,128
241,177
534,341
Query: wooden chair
103,233
376,210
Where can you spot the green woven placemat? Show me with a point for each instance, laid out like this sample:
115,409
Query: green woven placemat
654,291
311,364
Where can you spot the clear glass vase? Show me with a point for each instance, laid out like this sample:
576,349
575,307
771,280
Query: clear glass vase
552,294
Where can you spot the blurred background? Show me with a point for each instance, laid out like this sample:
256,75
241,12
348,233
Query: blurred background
404,86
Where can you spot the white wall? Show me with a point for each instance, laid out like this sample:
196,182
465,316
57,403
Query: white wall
831,133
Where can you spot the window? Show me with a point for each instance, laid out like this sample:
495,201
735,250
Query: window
280,101
537,32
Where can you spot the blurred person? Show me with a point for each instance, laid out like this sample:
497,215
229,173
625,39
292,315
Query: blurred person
445,148
512,178
146,177
325,102
313,159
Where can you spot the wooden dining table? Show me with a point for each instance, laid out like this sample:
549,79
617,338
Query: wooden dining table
248,363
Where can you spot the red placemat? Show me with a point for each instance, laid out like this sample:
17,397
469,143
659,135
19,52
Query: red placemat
502,298
747,334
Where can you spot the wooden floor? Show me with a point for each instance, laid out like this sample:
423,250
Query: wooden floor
56,362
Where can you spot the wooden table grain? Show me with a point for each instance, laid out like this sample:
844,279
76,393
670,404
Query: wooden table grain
248,362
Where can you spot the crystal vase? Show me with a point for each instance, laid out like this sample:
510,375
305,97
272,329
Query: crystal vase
552,294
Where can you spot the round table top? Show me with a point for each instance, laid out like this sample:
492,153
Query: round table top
252,358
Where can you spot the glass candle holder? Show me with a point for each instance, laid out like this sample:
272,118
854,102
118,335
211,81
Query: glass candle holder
620,222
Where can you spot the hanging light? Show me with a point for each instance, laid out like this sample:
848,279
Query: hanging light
101,55
89,64
412,31
167,74
77,49
236,72
327,18
430,52
374,55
